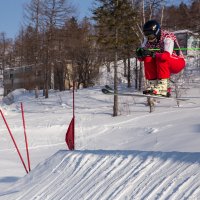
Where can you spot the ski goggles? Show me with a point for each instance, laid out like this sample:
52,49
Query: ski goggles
149,35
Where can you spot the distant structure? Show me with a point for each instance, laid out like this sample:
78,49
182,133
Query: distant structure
22,77
32,77
188,39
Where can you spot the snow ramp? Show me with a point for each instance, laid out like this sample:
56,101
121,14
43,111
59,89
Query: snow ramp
113,175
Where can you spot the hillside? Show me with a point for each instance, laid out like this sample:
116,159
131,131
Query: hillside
137,155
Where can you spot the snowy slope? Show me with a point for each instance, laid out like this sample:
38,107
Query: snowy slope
136,155
112,175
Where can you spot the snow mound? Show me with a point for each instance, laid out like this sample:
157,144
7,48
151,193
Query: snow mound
111,175
13,96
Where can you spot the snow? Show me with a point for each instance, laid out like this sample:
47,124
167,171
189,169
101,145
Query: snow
137,155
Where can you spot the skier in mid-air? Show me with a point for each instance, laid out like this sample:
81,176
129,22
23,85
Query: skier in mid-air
159,64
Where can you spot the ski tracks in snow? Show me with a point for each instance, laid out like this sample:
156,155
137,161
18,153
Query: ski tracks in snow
113,175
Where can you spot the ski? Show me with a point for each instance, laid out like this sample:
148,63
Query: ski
109,92
108,87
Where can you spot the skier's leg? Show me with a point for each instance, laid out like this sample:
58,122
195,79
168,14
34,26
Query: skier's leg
176,64
163,75
150,70
165,67
163,71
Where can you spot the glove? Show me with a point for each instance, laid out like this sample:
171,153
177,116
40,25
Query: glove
142,52
139,53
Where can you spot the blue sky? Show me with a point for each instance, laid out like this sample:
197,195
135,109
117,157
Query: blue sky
11,14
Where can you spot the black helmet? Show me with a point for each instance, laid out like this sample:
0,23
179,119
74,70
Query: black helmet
152,27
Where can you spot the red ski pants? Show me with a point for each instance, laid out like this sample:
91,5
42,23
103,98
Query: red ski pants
162,67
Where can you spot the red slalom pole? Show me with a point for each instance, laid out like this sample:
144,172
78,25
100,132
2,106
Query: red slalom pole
74,110
70,135
73,99
26,141
14,141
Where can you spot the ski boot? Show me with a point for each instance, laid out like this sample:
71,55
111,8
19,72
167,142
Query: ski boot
169,92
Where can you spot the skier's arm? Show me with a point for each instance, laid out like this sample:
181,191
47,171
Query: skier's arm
144,42
168,45
143,46
168,49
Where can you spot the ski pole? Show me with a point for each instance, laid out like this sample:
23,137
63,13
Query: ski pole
14,141
182,49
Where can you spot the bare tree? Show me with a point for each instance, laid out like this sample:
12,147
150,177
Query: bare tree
33,18
4,50
48,16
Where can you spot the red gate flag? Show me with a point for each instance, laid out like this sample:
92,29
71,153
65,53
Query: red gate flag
69,138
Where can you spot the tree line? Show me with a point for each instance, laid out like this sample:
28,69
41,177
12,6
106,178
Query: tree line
52,37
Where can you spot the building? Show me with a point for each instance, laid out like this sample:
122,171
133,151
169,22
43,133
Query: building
32,77
188,41
27,77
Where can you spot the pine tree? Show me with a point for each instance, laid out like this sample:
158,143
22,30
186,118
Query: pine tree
114,21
